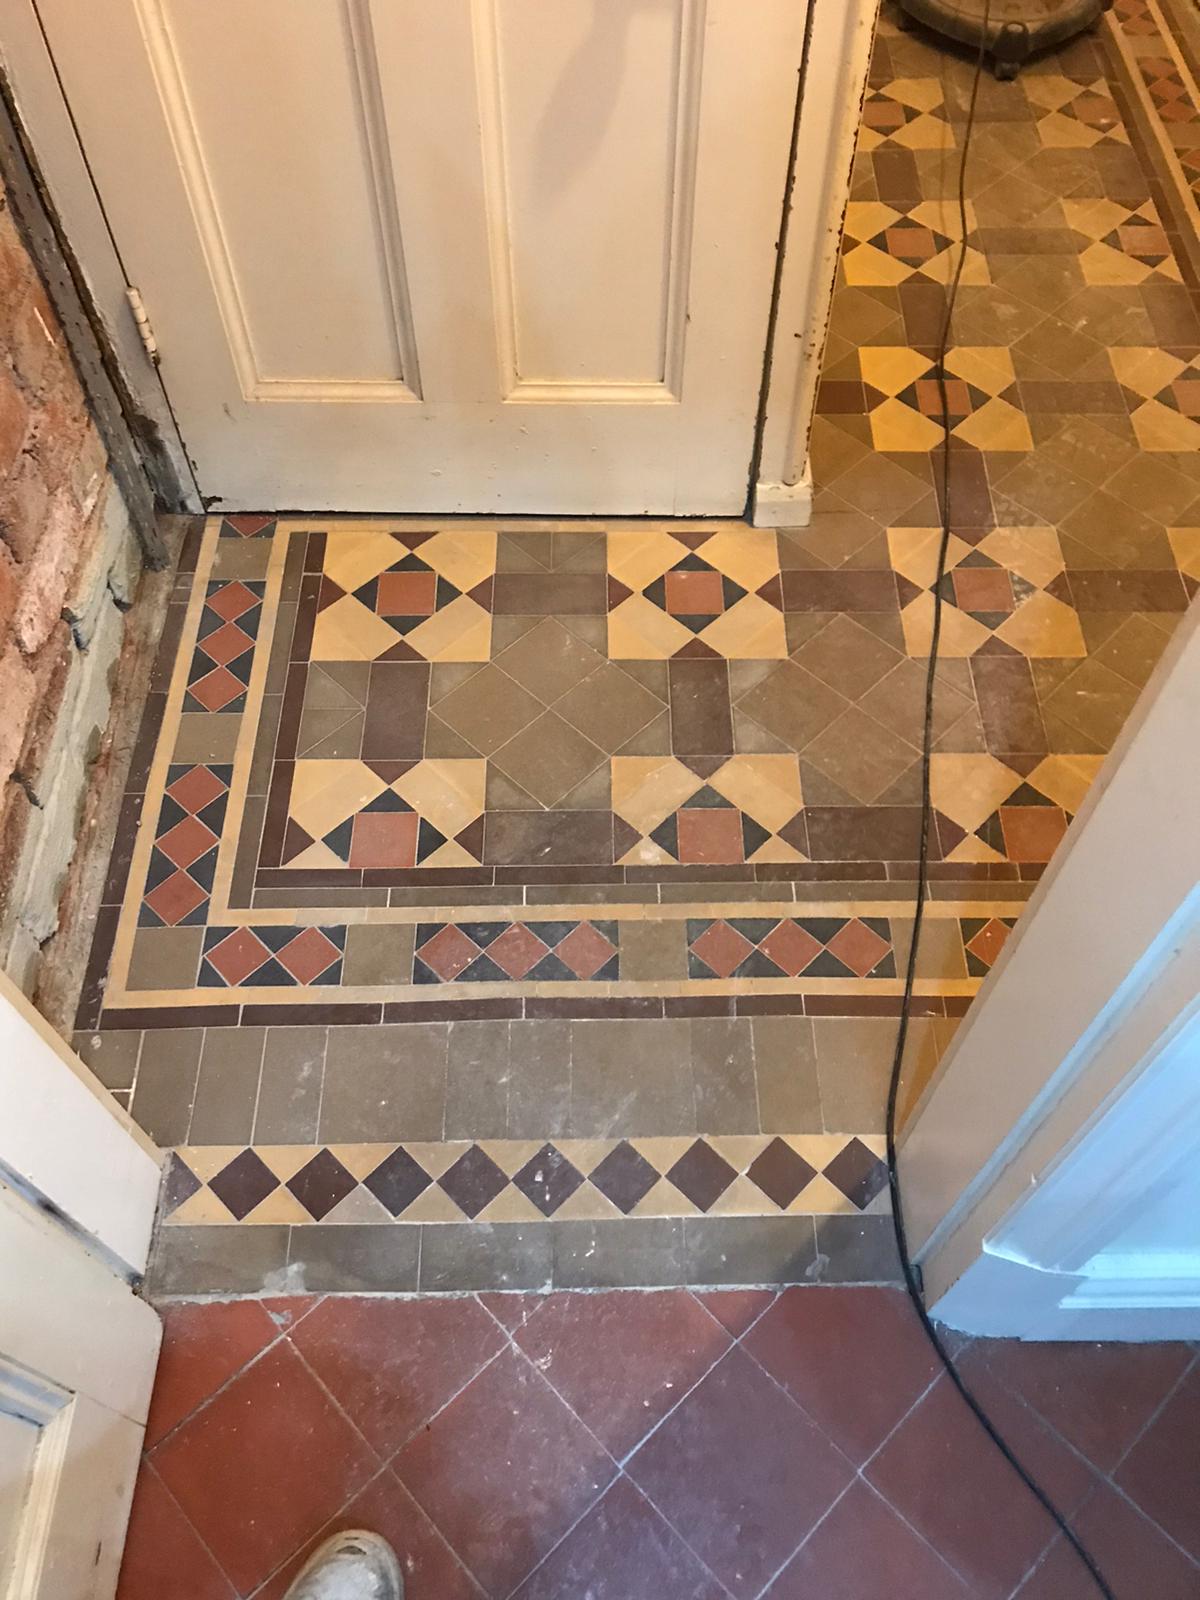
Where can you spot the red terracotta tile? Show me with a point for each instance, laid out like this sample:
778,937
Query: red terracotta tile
406,594
431,1569
175,897
1162,1471
854,1358
1133,1556
585,950
1031,833
709,835
722,948
736,1309
195,788
163,1553
203,1346
863,1548
392,1363
308,955
622,1550
232,601
741,1472
621,1361
285,1311
216,689
384,839
504,1471
791,947
949,1482
511,1310
1098,1396
858,947
517,950
694,594
226,644
238,955
264,1466
186,841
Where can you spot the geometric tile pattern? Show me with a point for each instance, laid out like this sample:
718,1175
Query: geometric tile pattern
731,810
986,811
385,814
1163,390
183,861
264,957
903,399
998,592
500,952
796,947
514,1180
224,652
907,113
400,596
1127,244
702,595
895,243
1073,115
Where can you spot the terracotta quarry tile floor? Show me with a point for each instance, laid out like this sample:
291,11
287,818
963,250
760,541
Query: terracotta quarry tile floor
655,1446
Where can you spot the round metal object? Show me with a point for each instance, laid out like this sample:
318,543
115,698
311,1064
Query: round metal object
1016,29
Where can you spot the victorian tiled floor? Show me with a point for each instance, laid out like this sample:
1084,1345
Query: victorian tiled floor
504,904
655,1446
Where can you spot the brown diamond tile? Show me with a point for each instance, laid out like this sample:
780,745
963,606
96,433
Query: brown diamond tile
585,950
858,947
781,1173
231,601
548,758
321,1183
216,689
702,1175
196,788
549,660
242,1184
722,948
548,1179
790,947
175,897
517,950
489,709
237,955
187,841
473,1181
226,643
858,1173
308,955
448,952
624,1177
609,707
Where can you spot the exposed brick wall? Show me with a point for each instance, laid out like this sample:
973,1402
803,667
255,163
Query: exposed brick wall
68,567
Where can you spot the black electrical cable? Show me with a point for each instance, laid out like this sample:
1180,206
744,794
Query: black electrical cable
911,1282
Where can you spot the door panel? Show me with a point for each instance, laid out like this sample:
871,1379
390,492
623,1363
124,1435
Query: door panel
485,255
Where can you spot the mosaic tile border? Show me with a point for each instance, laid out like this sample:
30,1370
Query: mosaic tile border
510,1180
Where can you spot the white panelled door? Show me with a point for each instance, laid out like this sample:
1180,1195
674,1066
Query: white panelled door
447,255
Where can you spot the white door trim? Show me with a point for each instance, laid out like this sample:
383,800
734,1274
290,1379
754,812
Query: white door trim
1050,1124
66,1143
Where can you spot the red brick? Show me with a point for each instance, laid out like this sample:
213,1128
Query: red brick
14,420
16,273
48,574
18,690
24,506
10,585
58,436
35,351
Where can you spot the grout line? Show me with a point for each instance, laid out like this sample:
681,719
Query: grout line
148,1466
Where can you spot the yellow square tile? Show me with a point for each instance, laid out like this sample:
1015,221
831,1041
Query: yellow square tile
921,94
647,789
325,793
747,555
996,426
961,635
968,788
1185,546
865,266
1032,553
891,367
751,630
1159,428
913,552
1043,626
895,426
1145,369
866,218
765,787
987,367
1066,779
353,556
636,556
448,793
461,631
638,630
464,557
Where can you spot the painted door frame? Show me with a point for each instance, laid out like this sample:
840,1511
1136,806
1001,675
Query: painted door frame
834,75
1068,1108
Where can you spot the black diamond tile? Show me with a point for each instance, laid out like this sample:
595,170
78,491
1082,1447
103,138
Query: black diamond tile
548,1179
858,1173
179,1184
780,1173
702,1175
245,1182
473,1181
397,1181
624,1177
321,1183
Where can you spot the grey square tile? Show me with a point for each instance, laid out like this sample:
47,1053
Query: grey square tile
165,958
478,1256
217,1261
227,1086
539,1079
289,1094
638,1253
631,1077
348,1259
111,1056
378,954
856,1250
384,1083
166,1083
477,1072
748,1250
723,1075
785,1067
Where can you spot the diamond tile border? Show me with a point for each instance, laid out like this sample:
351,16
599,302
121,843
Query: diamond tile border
514,1180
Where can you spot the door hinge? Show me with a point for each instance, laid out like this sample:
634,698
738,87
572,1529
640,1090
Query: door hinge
145,331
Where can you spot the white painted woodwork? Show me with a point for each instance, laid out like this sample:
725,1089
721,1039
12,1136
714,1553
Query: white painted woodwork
64,1139
77,1359
485,255
1049,1170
